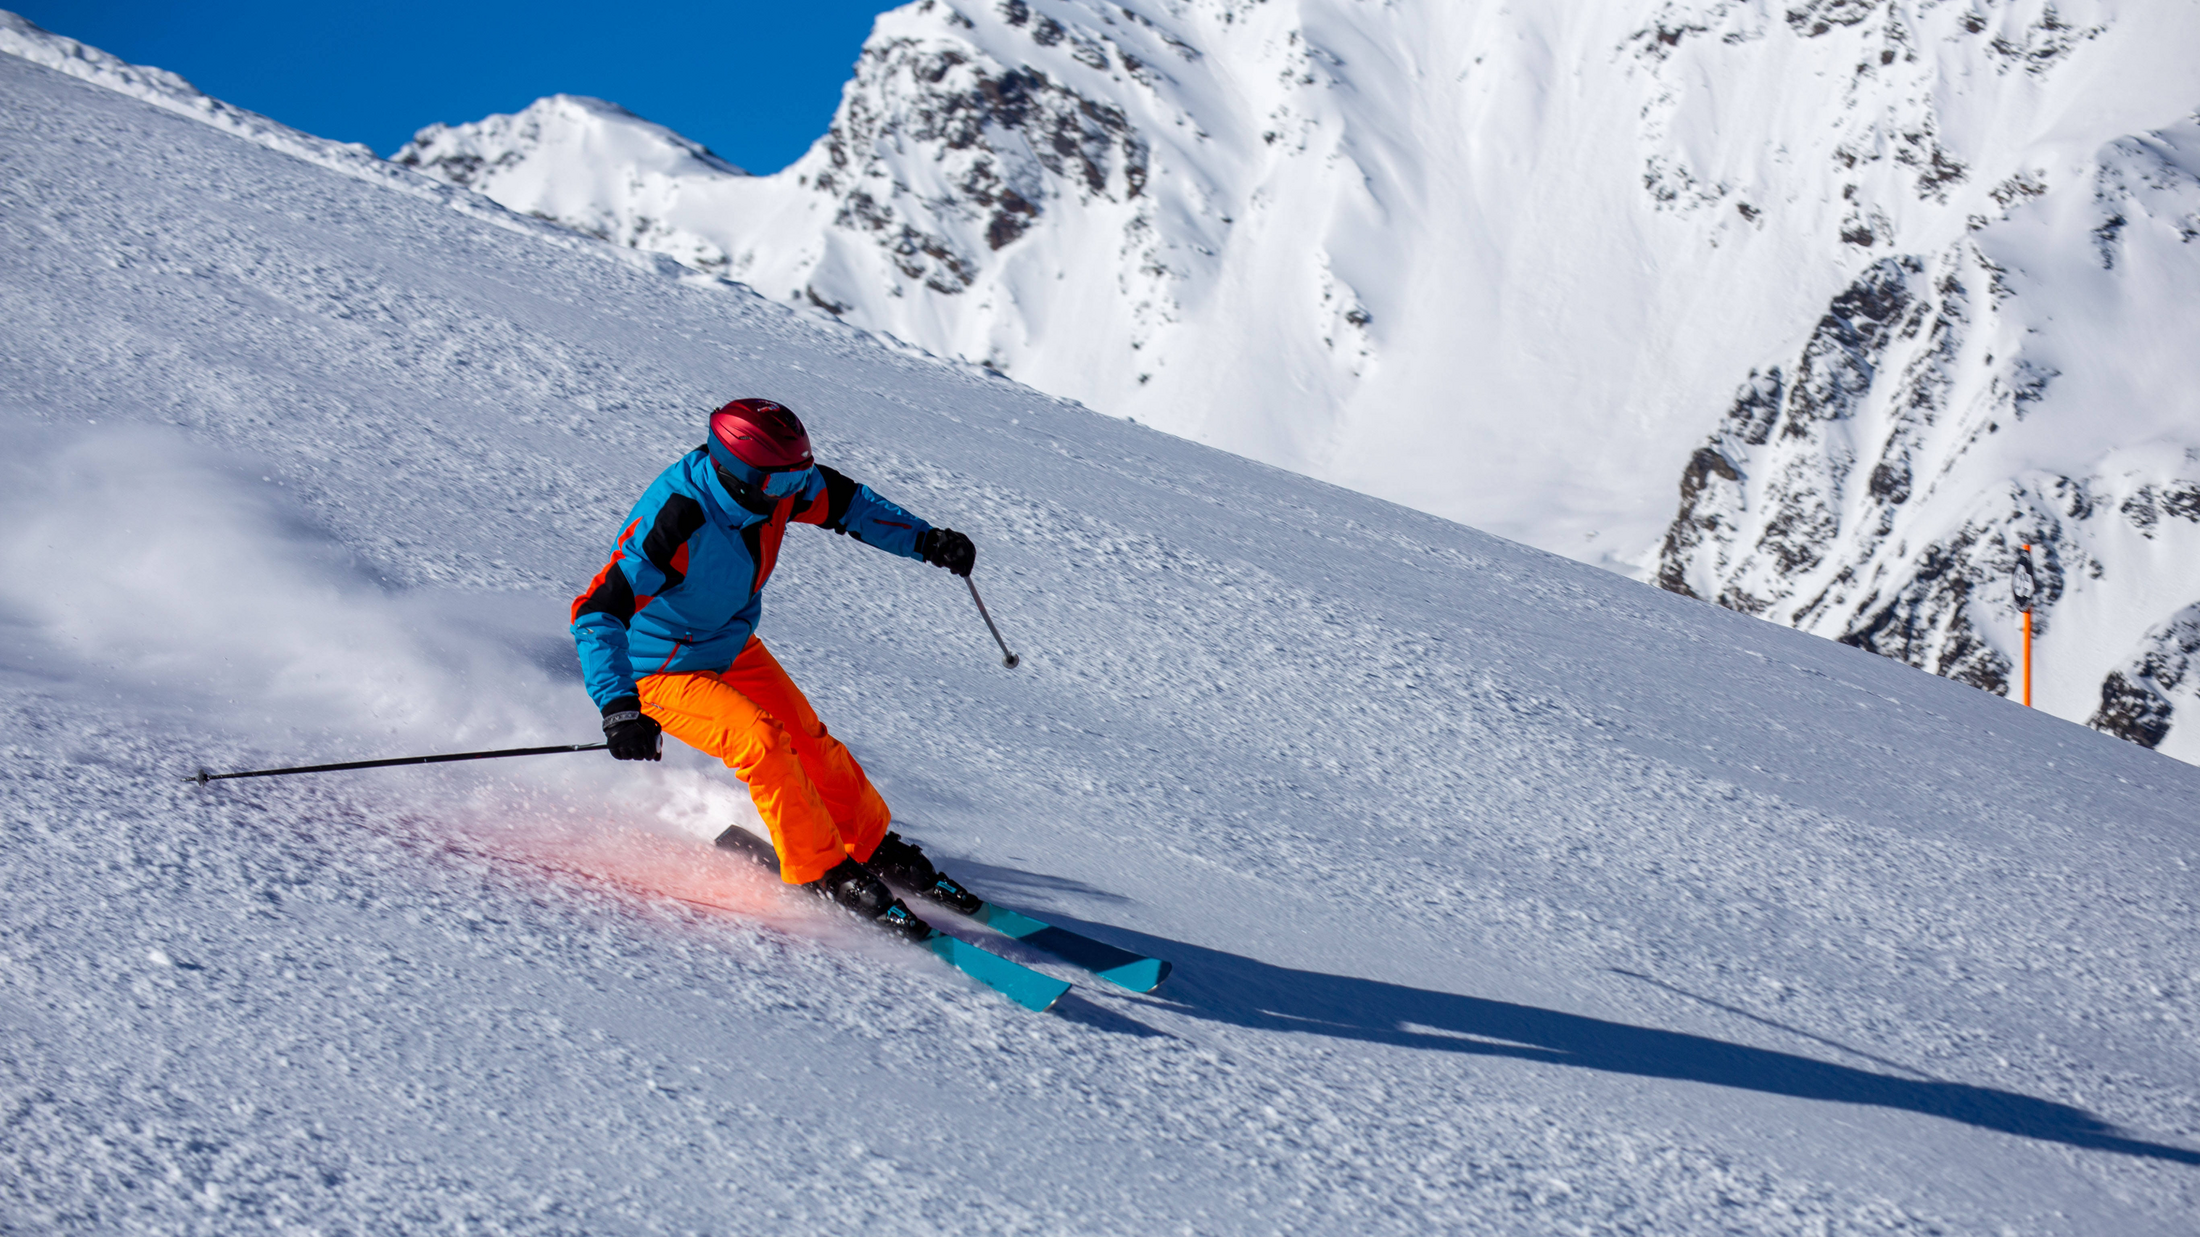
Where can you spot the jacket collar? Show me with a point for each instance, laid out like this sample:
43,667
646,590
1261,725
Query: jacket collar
724,508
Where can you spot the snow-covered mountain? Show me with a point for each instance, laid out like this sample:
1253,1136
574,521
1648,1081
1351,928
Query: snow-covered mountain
1881,486
1506,895
1507,264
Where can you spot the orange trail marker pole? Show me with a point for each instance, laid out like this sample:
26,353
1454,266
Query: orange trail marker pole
2027,659
2028,637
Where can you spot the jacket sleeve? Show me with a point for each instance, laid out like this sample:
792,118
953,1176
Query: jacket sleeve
650,559
857,511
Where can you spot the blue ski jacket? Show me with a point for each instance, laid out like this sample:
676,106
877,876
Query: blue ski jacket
685,583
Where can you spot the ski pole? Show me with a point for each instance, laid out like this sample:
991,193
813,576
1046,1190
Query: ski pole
202,777
1008,659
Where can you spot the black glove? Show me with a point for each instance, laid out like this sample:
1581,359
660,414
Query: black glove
944,547
633,734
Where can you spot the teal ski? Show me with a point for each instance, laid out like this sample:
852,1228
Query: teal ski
1034,990
1031,989
1120,967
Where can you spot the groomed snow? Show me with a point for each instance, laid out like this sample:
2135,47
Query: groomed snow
1506,895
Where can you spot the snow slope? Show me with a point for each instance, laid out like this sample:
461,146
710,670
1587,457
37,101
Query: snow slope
1509,263
1506,895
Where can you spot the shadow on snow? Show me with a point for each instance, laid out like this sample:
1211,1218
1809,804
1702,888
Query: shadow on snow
1225,987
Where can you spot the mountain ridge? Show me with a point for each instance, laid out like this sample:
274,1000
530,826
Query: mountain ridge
1520,292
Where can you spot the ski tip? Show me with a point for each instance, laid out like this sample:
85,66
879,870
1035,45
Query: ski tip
1034,990
1144,975
1037,993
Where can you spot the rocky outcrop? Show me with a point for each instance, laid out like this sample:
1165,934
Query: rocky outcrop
2139,698
1788,511
1007,142
1879,487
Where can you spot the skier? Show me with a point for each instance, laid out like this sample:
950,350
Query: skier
680,599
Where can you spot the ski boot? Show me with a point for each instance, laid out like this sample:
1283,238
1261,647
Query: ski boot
903,862
853,886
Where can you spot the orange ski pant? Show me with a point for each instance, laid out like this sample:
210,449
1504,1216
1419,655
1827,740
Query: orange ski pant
807,787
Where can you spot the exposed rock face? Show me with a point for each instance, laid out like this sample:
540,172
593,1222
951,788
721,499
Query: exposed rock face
2138,698
1880,487
1834,472
1008,140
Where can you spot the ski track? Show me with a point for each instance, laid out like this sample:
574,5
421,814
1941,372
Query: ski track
1505,894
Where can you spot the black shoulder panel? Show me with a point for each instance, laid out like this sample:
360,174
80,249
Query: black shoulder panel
608,594
839,492
676,521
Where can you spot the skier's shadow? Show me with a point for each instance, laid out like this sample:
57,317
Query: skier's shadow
1227,988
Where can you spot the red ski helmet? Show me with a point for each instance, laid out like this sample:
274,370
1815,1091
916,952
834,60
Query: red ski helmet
751,437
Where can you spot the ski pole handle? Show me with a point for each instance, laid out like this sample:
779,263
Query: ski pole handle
1008,659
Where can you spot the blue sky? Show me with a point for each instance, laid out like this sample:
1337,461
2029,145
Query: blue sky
755,81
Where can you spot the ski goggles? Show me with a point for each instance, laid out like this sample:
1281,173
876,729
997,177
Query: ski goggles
787,482
793,480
